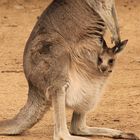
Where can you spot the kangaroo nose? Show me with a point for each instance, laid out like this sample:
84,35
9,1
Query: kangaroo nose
104,68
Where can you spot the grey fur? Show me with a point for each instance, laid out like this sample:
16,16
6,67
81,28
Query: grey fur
60,65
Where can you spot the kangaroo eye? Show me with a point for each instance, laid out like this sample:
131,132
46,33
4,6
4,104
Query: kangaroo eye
111,61
100,61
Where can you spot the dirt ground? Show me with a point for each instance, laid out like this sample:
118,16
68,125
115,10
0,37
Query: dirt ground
120,105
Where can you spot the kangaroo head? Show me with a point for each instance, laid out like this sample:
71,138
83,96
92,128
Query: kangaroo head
107,57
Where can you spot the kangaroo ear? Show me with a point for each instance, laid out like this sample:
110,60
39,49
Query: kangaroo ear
119,47
104,44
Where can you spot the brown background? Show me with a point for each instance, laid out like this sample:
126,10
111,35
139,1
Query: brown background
120,105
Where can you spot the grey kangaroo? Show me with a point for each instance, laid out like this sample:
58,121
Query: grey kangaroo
66,63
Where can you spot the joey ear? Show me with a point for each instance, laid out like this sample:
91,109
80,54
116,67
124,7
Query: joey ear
104,44
119,47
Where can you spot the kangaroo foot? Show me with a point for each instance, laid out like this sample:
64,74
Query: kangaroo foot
69,137
112,133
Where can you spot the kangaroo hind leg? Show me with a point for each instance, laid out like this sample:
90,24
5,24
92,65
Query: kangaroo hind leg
79,127
60,128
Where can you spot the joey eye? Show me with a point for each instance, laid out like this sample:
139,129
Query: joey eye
100,61
111,61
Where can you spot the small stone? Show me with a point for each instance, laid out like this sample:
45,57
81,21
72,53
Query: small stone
116,120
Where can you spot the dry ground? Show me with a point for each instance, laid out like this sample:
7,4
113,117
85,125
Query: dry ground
120,105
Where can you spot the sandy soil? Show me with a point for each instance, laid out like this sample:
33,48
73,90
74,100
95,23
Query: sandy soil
120,105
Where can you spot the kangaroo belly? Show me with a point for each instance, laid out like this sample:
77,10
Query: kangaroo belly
83,94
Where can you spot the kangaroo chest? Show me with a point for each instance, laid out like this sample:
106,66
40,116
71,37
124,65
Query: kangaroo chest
83,94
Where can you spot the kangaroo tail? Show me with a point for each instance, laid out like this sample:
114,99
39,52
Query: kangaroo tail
29,115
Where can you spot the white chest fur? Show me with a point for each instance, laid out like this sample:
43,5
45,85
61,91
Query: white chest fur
82,94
